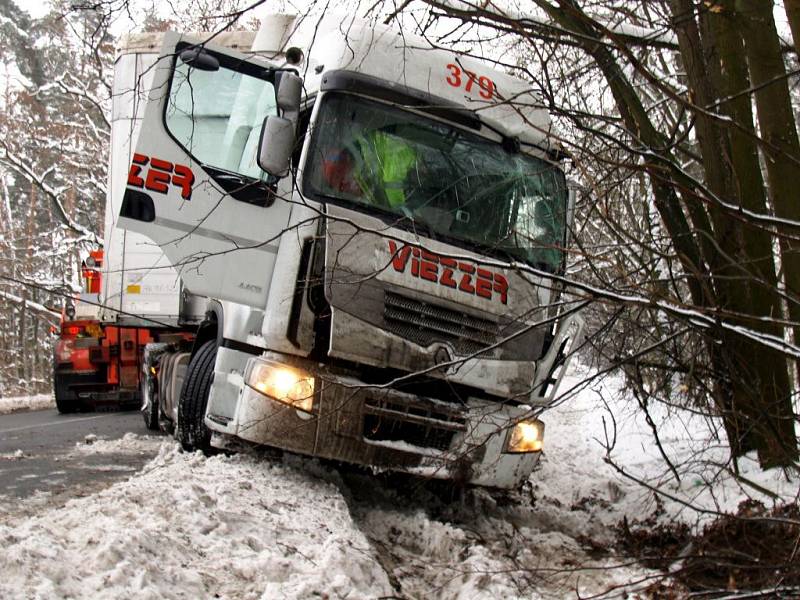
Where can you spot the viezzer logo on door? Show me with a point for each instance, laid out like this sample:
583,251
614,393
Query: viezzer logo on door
160,174
449,272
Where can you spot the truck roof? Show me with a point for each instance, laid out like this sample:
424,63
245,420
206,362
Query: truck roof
340,42
147,43
501,100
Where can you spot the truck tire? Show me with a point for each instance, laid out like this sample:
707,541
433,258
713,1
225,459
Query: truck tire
149,386
191,431
66,400
149,403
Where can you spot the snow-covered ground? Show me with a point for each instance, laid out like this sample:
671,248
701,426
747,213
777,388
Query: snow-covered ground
17,403
692,442
247,526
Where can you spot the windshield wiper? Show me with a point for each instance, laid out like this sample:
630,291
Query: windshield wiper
242,187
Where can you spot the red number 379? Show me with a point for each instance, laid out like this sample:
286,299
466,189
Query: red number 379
459,77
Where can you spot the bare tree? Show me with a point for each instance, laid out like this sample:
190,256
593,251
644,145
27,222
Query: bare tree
53,161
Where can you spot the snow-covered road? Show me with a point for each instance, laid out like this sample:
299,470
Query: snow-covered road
247,526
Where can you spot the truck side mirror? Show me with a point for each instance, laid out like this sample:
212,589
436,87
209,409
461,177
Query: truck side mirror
290,90
275,145
200,59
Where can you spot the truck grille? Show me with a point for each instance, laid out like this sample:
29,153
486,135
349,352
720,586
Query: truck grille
412,423
424,323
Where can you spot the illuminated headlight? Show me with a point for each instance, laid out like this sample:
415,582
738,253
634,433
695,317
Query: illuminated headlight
284,384
526,436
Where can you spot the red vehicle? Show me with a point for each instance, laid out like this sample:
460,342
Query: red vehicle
98,363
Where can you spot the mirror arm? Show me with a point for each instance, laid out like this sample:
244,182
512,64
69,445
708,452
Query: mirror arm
273,70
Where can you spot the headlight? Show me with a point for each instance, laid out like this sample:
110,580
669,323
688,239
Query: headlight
284,384
526,436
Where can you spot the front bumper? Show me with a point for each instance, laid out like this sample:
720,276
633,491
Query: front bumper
386,429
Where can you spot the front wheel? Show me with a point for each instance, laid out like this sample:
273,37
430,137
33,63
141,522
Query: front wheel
192,432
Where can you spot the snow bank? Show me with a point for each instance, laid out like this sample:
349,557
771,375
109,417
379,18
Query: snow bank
195,527
483,549
17,403
130,443
188,526
552,539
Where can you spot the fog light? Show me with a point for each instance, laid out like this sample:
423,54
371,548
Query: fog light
526,436
284,384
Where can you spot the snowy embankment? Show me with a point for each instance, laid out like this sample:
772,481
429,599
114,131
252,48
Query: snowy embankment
17,403
188,526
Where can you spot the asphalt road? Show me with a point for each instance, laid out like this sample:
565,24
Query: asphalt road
49,462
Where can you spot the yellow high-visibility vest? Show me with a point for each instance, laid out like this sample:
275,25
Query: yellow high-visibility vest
386,160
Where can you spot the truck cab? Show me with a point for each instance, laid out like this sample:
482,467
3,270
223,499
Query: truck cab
386,223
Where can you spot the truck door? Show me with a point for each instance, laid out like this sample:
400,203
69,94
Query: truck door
194,187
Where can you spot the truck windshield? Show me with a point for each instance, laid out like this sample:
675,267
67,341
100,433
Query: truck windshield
444,180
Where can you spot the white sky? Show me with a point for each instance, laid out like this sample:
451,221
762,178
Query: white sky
39,8
35,8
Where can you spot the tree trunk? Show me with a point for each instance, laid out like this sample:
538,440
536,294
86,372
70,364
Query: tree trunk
742,289
727,267
728,70
22,325
778,129
782,153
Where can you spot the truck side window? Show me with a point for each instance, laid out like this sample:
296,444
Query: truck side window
216,117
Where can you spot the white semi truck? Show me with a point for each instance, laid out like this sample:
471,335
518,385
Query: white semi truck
375,222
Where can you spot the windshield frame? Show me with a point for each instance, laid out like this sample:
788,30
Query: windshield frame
419,227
